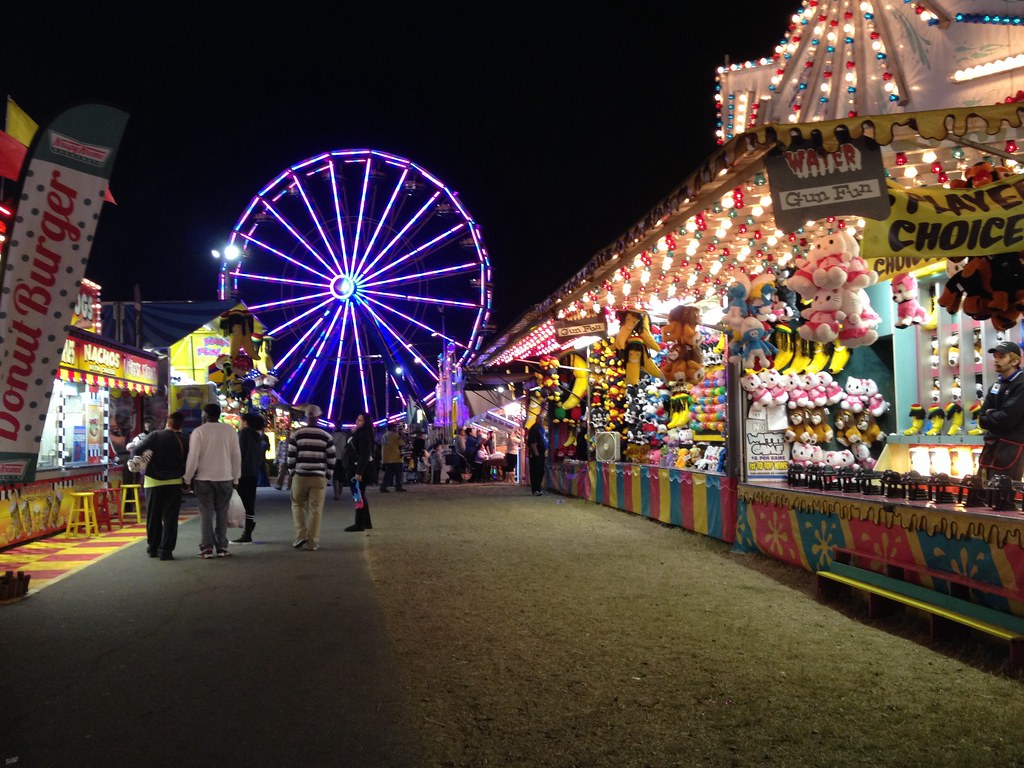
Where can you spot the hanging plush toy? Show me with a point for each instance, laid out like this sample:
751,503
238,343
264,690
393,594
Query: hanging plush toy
754,350
637,342
908,309
238,325
684,361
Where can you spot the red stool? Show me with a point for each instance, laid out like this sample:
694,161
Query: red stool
107,502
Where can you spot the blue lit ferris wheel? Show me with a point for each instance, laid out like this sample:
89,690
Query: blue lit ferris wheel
365,269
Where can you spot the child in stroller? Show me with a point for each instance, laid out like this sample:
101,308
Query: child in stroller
456,463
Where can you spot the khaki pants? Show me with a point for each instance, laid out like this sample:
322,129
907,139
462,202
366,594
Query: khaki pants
308,492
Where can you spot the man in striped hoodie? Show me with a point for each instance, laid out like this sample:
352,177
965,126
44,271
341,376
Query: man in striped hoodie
311,465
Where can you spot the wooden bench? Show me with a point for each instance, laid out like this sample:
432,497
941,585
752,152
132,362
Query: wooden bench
945,612
959,585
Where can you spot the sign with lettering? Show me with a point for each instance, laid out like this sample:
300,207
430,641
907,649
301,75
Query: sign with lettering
596,325
62,189
810,183
94,357
767,449
935,222
86,314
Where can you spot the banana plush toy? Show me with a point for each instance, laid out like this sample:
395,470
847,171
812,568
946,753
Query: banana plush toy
637,342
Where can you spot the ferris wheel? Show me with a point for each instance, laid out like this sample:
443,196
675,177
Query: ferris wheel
365,269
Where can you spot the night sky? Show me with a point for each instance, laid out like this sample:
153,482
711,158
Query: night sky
558,130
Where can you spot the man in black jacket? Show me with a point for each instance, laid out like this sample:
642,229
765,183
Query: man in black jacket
251,443
1002,415
168,449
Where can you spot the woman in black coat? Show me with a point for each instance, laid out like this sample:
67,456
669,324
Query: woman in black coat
358,457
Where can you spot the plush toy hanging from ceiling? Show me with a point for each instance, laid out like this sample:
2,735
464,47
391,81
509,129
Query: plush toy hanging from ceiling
238,325
636,342
985,287
684,360
832,278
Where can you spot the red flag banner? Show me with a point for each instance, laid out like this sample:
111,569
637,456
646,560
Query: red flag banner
45,256
12,156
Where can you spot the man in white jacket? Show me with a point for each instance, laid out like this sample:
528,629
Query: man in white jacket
213,468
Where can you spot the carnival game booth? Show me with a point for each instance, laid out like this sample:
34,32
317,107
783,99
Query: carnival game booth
97,399
797,177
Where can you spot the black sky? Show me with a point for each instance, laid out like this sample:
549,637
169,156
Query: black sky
558,129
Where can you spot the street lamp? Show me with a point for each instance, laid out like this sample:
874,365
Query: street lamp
232,253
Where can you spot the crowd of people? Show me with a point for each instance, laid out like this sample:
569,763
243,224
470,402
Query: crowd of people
215,462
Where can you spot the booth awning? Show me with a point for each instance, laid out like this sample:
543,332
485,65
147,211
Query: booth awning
82,377
934,125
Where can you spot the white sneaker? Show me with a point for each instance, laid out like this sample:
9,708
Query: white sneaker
298,543
312,547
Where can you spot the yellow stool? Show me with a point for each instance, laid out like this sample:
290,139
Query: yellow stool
82,514
130,503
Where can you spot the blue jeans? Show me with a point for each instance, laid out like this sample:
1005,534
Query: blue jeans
213,497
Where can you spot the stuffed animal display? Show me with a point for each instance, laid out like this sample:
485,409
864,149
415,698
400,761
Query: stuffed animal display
854,427
832,279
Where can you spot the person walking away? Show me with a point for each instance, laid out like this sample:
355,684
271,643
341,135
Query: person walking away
163,483
311,464
537,448
284,480
1002,415
436,464
253,450
391,459
213,468
358,457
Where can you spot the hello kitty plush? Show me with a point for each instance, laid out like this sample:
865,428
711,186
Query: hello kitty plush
772,382
752,384
832,278
862,456
802,455
833,392
876,403
856,398
815,392
822,318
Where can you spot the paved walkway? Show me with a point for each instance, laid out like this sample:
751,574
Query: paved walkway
271,657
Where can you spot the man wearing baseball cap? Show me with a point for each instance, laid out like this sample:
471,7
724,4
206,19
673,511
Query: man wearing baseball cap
1002,415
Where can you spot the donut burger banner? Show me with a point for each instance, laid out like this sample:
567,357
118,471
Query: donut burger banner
938,223
61,193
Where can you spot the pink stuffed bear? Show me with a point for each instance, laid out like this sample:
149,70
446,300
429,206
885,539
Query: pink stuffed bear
908,309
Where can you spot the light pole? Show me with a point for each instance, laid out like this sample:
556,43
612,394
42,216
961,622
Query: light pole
230,256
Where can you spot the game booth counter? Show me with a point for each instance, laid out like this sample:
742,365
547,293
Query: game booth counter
848,275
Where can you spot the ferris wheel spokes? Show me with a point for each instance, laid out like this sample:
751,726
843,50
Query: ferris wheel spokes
401,233
297,344
316,221
297,318
276,252
397,337
423,299
423,275
337,363
284,223
420,251
382,219
316,357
